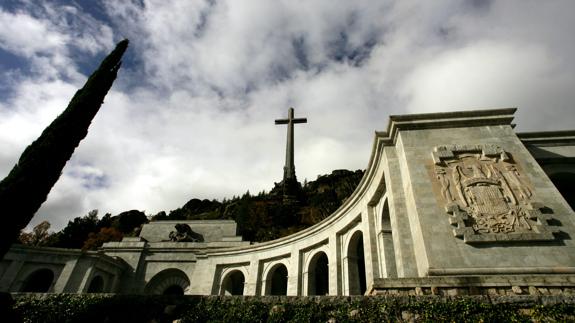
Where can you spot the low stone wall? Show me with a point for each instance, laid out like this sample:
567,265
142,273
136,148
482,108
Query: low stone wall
125,308
495,285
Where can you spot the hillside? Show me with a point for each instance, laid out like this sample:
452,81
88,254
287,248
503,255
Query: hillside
261,217
266,216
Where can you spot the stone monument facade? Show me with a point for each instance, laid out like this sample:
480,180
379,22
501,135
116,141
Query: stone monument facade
450,204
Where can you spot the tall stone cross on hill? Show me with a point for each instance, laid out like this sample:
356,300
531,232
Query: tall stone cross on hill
289,168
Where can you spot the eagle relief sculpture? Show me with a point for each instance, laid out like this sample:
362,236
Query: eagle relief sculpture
488,198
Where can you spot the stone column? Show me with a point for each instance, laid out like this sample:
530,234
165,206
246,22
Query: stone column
66,275
371,257
9,277
294,285
252,280
399,221
333,256
86,279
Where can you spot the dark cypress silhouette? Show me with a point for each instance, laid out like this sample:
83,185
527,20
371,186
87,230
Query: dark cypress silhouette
27,185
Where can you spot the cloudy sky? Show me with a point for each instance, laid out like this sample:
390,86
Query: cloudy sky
192,112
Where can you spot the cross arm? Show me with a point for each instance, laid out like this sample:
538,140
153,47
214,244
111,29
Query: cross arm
299,120
282,121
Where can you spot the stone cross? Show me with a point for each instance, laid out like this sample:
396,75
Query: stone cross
289,168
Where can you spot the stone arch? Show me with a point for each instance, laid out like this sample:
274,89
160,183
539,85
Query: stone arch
318,274
565,183
168,282
96,285
233,283
277,280
39,281
356,265
385,239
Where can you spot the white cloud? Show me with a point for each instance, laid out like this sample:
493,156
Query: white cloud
45,34
483,74
192,113
23,34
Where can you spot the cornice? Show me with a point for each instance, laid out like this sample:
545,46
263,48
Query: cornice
547,138
456,119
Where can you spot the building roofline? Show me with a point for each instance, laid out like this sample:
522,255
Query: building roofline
454,119
548,137
17,248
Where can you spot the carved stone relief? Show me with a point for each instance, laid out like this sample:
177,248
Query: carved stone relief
184,233
487,196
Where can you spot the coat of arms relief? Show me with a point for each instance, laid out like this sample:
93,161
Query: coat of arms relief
487,196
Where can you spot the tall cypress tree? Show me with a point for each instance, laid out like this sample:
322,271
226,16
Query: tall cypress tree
27,185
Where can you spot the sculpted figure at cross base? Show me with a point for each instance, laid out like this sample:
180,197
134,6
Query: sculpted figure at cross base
487,196
184,233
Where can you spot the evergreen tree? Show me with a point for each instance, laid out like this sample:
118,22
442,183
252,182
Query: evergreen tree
27,185
105,221
127,221
77,231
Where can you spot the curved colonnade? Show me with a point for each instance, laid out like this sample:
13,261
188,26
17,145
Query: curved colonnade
394,224
330,258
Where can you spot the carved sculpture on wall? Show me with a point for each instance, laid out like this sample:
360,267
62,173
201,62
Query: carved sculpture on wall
487,196
184,233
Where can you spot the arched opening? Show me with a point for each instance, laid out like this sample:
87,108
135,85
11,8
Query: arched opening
168,282
96,285
386,240
318,275
174,290
356,265
565,183
39,281
277,280
233,283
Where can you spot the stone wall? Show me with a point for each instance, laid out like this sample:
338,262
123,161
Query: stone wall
493,285
57,270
